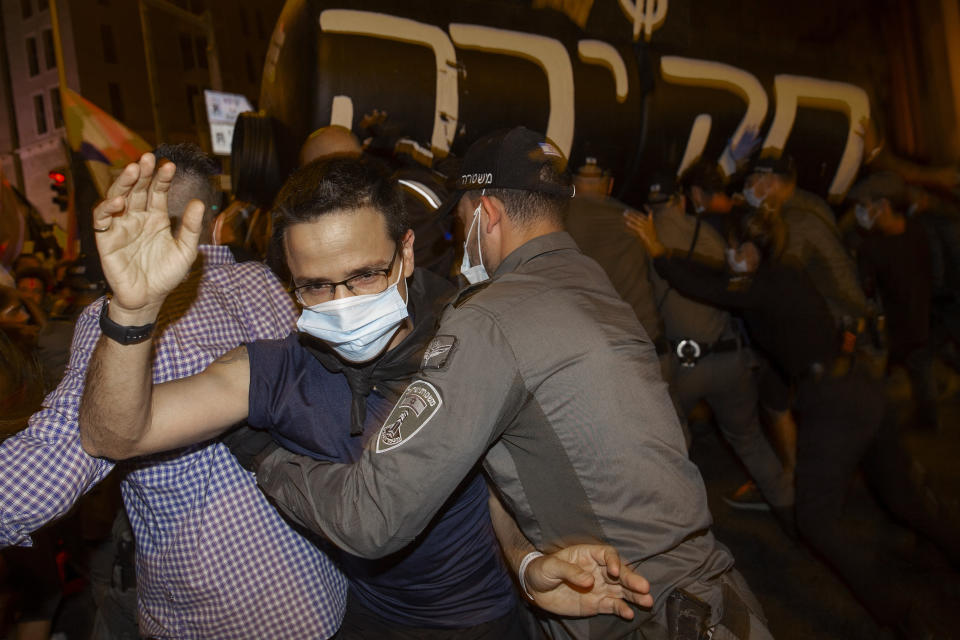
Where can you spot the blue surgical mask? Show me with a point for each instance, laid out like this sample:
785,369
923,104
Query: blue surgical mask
752,198
357,328
474,273
864,219
737,266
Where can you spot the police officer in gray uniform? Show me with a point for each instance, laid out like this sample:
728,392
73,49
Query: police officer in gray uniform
812,238
712,363
544,373
595,221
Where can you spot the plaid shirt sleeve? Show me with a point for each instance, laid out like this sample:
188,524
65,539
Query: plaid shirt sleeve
270,312
45,470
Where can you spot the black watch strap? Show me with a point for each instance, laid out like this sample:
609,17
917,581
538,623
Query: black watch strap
120,333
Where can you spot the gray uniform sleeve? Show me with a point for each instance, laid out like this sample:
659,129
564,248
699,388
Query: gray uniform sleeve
841,285
631,279
468,391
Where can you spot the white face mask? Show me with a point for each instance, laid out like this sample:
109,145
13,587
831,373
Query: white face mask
752,198
474,273
737,266
358,328
864,219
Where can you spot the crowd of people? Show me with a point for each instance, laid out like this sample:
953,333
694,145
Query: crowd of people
452,401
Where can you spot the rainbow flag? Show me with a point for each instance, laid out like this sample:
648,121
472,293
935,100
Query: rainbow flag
103,142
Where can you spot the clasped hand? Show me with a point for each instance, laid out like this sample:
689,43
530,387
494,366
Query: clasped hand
585,580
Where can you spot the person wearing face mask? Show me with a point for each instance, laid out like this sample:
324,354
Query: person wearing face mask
366,324
895,265
812,238
711,361
840,412
544,374
595,220
472,269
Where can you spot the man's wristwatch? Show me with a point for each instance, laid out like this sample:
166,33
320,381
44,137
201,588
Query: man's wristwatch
120,333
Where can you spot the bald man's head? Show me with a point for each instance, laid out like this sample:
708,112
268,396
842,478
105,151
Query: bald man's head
329,142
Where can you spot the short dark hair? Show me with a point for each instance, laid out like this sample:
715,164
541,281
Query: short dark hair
783,166
196,167
767,232
703,174
523,206
328,185
190,159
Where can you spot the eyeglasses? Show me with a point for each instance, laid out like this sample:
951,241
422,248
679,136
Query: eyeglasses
365,283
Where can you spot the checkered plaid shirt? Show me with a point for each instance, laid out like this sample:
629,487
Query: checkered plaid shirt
214,559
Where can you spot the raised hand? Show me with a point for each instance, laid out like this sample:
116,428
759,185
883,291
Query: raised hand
642,226
141,259
584,580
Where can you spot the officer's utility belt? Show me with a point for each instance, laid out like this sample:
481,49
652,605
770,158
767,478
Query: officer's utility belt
820,371
688,617
690,351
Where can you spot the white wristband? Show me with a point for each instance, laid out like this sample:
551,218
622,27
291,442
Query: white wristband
527,559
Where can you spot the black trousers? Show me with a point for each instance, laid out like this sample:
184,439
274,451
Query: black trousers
841,426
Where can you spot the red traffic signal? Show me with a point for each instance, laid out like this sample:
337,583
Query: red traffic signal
58,184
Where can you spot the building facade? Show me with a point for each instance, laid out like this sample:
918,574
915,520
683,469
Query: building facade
105,62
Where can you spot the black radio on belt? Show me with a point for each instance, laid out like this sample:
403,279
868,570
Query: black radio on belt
688,617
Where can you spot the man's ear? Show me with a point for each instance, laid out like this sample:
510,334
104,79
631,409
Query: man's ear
495,211
406,244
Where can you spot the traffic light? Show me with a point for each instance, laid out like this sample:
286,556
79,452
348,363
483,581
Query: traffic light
58,184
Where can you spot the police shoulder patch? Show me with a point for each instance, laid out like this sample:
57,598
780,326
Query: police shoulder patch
418,404
438,351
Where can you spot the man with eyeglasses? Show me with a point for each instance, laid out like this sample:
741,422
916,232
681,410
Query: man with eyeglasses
367,317
543,372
